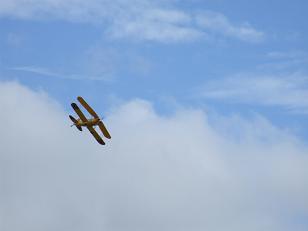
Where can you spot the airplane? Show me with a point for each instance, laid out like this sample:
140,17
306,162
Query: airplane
89,123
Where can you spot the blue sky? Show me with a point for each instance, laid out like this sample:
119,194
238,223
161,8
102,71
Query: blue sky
243,64
170,54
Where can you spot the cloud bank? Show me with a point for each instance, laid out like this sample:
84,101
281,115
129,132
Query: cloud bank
160,21
180,172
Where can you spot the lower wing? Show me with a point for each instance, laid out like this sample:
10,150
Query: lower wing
96,136
104,129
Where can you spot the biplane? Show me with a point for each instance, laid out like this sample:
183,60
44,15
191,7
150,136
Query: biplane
89,123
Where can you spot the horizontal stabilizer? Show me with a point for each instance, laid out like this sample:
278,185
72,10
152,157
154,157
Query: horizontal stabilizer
75,123
73,119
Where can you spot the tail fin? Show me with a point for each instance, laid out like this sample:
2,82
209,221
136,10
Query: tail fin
75,123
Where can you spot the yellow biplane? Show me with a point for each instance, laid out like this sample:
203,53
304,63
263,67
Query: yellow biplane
89,123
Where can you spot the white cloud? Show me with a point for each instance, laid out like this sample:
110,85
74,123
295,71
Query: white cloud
157,173
288,91
156,25
138,19
220,24
147,20
74,10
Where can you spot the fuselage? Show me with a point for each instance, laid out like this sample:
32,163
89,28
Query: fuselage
90,122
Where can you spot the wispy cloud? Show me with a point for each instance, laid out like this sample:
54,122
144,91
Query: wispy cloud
220,24
286,60
288,91
160,21
49,73
287,55
158,24
14,39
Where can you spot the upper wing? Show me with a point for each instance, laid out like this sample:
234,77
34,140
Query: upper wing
86,106
104,129
79,113
96,136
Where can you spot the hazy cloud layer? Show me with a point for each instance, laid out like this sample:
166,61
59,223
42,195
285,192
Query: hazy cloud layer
160,21
157,173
